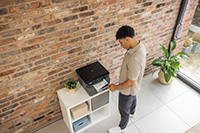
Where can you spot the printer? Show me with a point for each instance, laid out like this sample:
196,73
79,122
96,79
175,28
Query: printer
93,78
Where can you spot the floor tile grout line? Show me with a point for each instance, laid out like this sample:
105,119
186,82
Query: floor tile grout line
177,96
168,106
137,128
155,96
164,104
148,113
151,111
154,111
178,116
169,100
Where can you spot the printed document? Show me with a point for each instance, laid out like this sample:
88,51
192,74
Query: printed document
101,85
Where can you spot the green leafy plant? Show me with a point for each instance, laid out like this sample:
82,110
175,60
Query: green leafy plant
170,65
71,84
196,18
188,42
196,37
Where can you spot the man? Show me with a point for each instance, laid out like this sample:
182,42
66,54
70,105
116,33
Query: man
131,75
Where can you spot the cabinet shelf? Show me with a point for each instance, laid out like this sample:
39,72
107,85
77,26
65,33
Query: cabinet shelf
100,107
100,114
80,117
68,101
88,110
89,124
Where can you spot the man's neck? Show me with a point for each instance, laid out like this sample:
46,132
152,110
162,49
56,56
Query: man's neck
134,42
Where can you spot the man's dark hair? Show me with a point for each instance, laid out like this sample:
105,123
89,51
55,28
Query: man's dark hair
125,31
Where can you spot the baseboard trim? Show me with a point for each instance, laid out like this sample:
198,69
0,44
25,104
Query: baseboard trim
46,125
189,81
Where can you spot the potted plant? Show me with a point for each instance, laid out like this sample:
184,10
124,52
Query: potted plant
196,42
71,85
187,47
169,65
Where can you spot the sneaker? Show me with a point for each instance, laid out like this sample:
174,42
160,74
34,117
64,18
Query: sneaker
132,115
116,130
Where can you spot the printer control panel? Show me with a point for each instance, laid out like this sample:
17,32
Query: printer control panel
96,80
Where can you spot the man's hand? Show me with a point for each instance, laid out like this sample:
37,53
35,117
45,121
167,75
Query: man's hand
112,87
124,85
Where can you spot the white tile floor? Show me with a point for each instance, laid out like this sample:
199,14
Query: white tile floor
161,108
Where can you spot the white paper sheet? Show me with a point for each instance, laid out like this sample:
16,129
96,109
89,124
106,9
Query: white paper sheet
98,86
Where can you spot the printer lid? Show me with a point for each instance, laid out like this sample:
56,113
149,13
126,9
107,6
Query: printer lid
91,71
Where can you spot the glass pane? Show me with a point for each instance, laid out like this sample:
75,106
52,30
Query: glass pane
191,66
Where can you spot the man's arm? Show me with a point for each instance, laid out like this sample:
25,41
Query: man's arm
124,85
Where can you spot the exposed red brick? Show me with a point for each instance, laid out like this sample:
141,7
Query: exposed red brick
50,53
4,27
3,11
109,2
19,8
36,92
10,18
129,3
74,50
96,5
6,3
86,14
80,9
11,32
122,20
7,41
42,18
7,72
59,87
36,40
66,37
46,118
55,46
75,40
19,99
35,5
28,100
58,55
22,106
45,3
2,96
41,106
56,34
52,22
79,58
37,68
3,128
32,13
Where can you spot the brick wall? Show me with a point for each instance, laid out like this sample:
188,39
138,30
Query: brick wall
42,42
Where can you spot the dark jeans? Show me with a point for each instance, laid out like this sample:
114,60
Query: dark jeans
127,104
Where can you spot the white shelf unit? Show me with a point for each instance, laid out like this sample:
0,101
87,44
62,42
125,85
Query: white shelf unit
69,100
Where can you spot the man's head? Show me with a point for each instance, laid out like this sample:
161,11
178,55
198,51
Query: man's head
124,35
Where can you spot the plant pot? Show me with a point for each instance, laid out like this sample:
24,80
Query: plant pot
72,90
161,78
187,50
196,48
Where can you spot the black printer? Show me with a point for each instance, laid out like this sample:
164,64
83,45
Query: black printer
92,74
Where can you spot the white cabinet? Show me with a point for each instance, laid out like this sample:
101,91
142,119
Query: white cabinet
98,108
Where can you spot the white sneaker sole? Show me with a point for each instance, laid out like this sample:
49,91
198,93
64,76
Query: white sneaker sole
132,116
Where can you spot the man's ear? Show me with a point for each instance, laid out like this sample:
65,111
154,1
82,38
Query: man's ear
127,39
